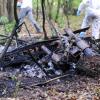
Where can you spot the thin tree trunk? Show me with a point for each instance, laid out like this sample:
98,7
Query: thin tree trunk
37,10
58,9
43,13
50,6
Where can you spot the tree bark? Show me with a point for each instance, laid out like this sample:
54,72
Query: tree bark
7,9
43,13
3,8
37,10
10,10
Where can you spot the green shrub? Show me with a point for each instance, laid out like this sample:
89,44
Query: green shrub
3,20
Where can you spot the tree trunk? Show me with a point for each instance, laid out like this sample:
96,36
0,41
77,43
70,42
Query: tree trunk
50,6
58,8
7,9
10,10
43,13
37,10
3,8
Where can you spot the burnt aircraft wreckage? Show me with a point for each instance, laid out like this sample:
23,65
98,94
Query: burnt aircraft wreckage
54,56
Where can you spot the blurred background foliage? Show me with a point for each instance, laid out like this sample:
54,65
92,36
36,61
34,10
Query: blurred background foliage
55,10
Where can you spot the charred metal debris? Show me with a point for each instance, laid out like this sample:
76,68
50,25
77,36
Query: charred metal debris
56,56
65,53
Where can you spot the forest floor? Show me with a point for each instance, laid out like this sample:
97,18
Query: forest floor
76,88
80,87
